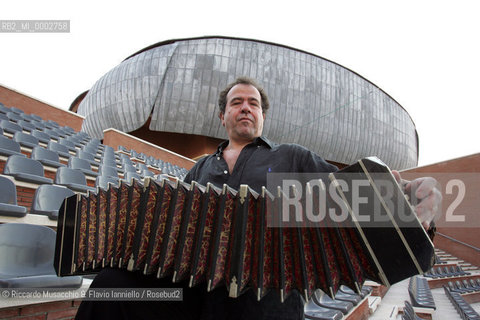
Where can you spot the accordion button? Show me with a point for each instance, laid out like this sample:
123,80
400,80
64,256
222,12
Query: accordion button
225,171
218,158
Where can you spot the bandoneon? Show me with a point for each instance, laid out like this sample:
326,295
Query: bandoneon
228,237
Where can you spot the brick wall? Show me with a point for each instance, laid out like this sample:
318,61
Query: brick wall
114,138
459,250
188,145
25,197
466,233
43,311
361,311
13,98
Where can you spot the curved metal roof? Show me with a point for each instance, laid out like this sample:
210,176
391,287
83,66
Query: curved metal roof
314,102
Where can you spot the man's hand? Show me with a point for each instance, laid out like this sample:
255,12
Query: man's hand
425,197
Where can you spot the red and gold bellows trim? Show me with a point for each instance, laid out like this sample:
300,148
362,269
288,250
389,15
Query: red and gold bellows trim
222,237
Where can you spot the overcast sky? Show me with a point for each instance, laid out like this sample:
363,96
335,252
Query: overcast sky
425,54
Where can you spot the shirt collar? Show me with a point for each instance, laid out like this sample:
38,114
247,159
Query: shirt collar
258,141
264,141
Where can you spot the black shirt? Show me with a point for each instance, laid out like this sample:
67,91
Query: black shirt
255,161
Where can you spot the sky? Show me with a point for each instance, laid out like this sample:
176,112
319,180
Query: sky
425,54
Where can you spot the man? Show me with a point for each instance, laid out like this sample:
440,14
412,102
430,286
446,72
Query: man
245,158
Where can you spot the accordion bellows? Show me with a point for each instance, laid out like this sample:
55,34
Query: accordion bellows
198,234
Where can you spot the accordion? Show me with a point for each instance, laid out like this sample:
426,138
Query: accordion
228,237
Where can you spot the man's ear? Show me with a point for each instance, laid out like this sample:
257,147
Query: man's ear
264,115
220,115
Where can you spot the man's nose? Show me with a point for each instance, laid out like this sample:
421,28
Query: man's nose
246,107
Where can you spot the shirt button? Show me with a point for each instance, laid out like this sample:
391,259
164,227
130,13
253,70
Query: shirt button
225,171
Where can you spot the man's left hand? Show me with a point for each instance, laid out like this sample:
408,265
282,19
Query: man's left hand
425,197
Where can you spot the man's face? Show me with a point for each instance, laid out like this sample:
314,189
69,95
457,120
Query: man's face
243,117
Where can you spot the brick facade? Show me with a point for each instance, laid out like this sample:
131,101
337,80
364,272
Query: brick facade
42,311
